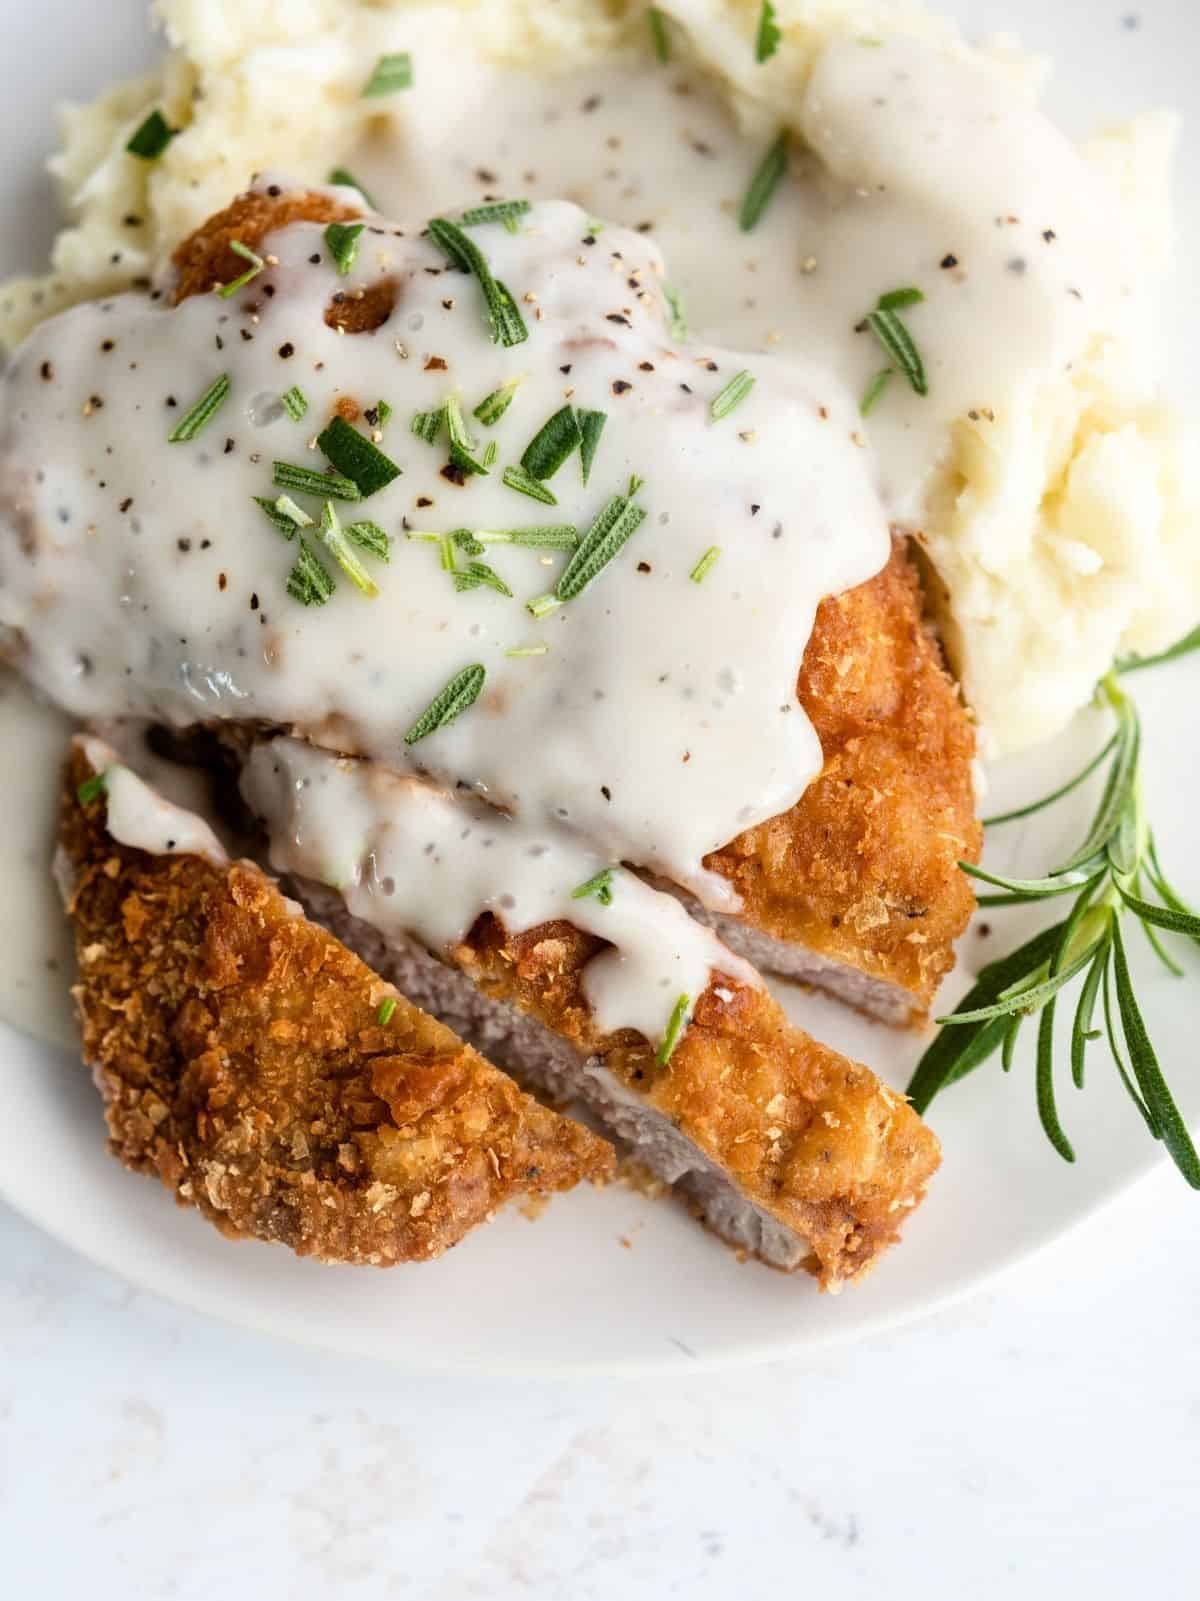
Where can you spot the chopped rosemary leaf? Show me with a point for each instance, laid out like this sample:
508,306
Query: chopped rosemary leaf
895,337
618,521
517,651
478,574
342,240
347,180
517,478
676,319
542,605
194,419
392,73
659,36
295,403
874,389
386,1011
466,541
384,412
92,788
462,446
370,537
705,565
555,440
767,39
356,457
734,392
505,211
288,508
553,536
591,426
152,137
462,691
764,183
307,482
492,407
286,525
225,291
598,887
507,324
309,582
490,451
675,1028
427,425
334,539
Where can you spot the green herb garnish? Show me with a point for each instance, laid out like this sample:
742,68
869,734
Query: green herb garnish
386,1011
659,36
675,1028
676,320
342,240
193,420
598,887
518,651
285,523
392,73
295,403
383,412
92,788
287,507
705,565
766,40
542,605
764,183
492,407
225,291
354,455
553,536
734,392
507,324
462,691
334,539
152,137
309,582
477,574
370,537
895,337
462,446
517,478
427,425
555,440
305,481
591,426
875,389
614,526
1114,872
341,176
505,211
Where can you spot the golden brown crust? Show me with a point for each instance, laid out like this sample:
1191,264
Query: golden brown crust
811,1138
241,1059
205,260
864,868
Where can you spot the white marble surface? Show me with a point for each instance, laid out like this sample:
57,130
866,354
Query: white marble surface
1045,1433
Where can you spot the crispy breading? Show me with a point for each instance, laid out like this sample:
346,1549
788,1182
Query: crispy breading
864,868
241,1058
811,1138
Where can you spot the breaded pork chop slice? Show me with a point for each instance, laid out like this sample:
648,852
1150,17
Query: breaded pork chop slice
268,1078
857,888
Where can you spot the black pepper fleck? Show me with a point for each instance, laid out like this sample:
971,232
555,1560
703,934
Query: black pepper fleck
286,350
620,386
948,262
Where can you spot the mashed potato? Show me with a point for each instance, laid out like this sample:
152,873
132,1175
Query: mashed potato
1063,532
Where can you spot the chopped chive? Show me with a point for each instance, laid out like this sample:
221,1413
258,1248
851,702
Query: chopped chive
92,788
591,426
347,180
384,412
898,342
705,565
505,211
342,240
356,457
734,392
309,582
225,291
517,478
676,319
874,389
507,324
462,446
427,425
767,39
659,36
370,537
476,574
193,420
492,407
307,482
334,539
386,1011
555,440
392,73
552,536
152,137
542,605
598,887
606,537
462,691
897,299
288,508
286,525
764,183
294,403
675,1029
518,651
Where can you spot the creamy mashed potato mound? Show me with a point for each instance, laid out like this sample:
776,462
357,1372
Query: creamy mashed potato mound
1064,531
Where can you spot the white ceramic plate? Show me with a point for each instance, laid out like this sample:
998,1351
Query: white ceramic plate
609,1281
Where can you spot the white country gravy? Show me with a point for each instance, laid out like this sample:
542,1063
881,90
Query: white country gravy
138,578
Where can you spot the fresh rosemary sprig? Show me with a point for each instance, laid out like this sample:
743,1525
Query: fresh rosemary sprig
1114,872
